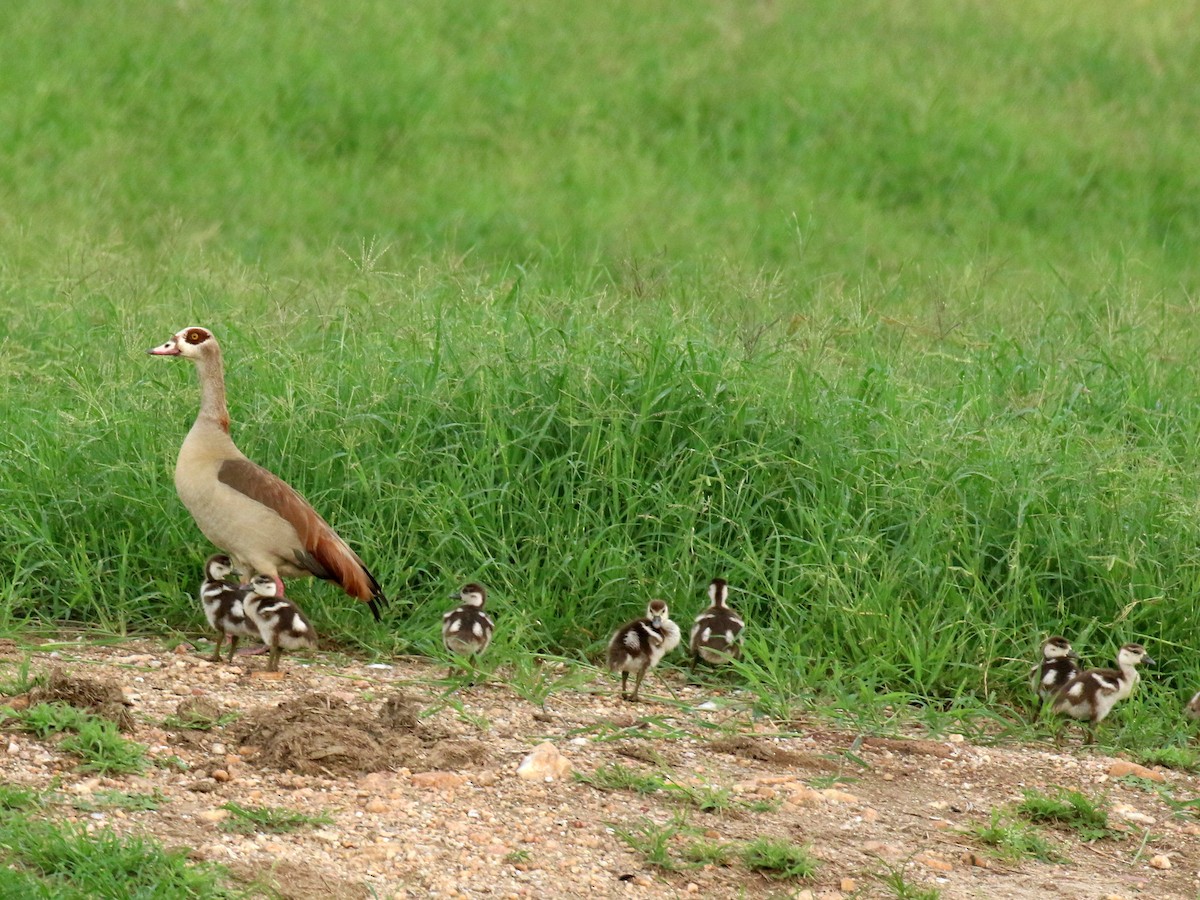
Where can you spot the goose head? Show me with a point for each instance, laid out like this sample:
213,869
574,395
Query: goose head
471,595
193,342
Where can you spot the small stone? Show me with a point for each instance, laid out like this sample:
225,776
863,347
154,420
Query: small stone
881,849
375,805
955,738
931,861
870,815
264,675
438,781
545,763
833,795
974,859
220,775
848,885
1161,861
213,816
1122,767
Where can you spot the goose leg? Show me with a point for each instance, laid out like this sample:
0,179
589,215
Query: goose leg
624,685
232,647
216,654
273,659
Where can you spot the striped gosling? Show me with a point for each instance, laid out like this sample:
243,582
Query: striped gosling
467,629
222,602
1058,666
280,623
717,633
1090,695
639,645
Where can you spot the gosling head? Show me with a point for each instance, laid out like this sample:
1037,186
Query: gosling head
266,586
1132,655
1058,648
718,591
471,595
218,567
656,612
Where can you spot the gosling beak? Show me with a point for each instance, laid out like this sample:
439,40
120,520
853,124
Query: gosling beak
657,621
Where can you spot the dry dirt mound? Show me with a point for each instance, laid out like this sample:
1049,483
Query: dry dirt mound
319,734
102,697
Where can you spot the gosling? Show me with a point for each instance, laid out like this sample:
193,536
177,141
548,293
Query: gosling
1090,695
717,633
222,602
1192,710
467,629
639,646
1058,666
279,621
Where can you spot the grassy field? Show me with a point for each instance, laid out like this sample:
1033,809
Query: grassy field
885,312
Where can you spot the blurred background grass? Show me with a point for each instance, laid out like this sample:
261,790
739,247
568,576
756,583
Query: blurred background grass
883,311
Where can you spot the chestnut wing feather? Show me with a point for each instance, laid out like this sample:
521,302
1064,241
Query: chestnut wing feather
322,551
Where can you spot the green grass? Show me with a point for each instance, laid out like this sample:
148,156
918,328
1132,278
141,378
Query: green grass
593,310
268,820
112,799
22,680
44,720
618,777
898,886
651,841
710,853
104,751
61,860
1068,809
777,858
1014,840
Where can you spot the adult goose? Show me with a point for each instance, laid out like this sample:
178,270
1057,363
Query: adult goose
254,516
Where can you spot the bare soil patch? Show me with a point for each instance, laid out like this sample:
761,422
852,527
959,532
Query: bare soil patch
419,781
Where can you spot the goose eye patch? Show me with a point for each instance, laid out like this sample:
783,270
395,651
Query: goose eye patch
196,336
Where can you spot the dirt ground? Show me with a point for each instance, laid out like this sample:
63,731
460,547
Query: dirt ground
418,779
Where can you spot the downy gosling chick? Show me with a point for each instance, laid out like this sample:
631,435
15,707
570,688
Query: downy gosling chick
222,602
467,629
280,623
1058,666
1192,710
639,645
717,633
1091,694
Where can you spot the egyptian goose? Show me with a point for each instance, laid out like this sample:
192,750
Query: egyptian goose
279,621
1090,695
717,632
222,602
264,525
467,629
1192,710
1058,666
638,646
